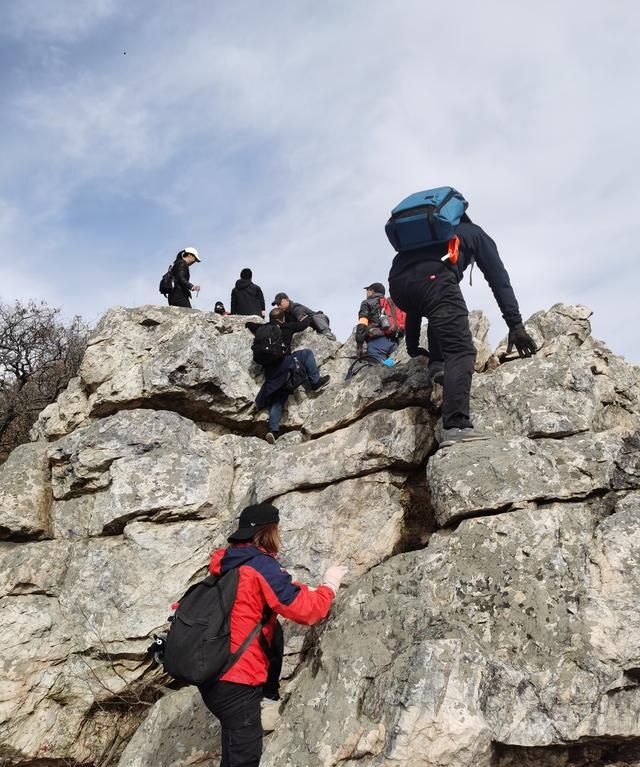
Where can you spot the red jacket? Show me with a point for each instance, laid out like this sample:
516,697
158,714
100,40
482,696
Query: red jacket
263,581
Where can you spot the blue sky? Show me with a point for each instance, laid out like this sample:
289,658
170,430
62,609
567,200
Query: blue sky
279,136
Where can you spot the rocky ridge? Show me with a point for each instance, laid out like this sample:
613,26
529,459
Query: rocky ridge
490,614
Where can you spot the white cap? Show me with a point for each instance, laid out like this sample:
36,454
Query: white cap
191,252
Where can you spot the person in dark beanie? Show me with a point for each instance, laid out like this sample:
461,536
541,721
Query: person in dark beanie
219,309
246,297
265,590
424,282
180,294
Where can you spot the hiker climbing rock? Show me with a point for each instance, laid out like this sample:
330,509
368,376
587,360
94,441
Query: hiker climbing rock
175,284
297,312
284,371
265,590
246,297
435,242
380,324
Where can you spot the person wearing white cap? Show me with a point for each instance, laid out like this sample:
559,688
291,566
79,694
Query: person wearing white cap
180,294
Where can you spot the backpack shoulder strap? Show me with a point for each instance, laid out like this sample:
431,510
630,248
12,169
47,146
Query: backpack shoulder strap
255,631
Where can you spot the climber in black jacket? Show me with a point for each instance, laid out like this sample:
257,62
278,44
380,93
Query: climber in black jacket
281,378
423,285
246,297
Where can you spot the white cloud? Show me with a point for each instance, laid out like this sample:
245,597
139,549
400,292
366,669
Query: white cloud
56,20
280,138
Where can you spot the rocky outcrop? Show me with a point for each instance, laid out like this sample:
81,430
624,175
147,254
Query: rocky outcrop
490,613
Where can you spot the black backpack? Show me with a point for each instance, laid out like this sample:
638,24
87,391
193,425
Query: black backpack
297,376
197,648
166,283
268,346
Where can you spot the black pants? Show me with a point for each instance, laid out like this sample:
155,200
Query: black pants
431,288
178,298
237,706
271,688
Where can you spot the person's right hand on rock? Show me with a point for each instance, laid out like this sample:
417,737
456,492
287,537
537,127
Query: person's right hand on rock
333,577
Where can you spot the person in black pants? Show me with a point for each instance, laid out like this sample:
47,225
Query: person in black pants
423,285
265,590
180,294
276,388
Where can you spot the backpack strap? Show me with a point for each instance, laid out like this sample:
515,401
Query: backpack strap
234,657
255,631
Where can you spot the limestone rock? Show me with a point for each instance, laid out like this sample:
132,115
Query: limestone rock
138,463
382,440
497,474
67,413
25,493
374,388
76,617
196,363
178,732
570,386
485,637
314,523
506,633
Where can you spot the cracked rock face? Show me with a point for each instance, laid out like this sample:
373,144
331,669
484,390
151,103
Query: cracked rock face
489,617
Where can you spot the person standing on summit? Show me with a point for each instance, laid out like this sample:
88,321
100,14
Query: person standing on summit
435,242
180,293
247,297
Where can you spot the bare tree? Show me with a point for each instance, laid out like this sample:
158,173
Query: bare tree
39,354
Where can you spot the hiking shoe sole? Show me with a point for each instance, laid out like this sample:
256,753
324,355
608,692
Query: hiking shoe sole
462,435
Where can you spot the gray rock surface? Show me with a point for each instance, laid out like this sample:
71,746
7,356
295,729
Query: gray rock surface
487,636
502,474
25,493
489,617
137,464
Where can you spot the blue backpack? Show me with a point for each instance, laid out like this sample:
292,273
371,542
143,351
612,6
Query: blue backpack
425,217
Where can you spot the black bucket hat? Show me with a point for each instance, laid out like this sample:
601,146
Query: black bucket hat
252,519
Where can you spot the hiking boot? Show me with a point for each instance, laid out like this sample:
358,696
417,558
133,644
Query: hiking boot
272,436
322,381
456,434
436,372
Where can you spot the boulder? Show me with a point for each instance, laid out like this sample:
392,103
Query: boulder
25,493
502,474
137,464
76,619
384,439
67,413
484,637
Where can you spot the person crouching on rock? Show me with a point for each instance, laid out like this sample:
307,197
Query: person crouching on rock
283,371
265,589
295,312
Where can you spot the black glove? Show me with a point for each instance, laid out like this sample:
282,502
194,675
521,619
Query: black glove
361,333
523,342
417,352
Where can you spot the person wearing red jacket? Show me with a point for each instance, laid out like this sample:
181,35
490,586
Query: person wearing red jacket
265,590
